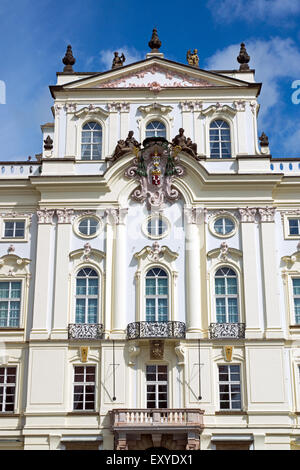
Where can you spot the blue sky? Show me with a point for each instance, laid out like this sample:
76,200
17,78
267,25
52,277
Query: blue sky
34,36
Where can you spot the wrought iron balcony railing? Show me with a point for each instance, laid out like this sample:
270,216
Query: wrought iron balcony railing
227,330
85,331
156,329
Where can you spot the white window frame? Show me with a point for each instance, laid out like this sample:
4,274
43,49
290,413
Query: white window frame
227,296
5,385
159,236
156,383
26,221
229,382
157,296
226,215
144,121
79,219
220,140
286,226
92,141
84,384
230,120
87,296
155,130
11,299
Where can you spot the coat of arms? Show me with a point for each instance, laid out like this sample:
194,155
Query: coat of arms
155,168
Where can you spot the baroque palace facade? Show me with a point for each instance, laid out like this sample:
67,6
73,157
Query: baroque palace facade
150,267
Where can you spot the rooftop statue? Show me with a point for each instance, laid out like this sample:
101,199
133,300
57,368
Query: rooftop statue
118,61
192,58
124,146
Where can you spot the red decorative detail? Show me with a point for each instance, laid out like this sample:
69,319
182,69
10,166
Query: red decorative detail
155,179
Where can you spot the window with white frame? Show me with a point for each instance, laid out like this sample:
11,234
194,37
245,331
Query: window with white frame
10,303
87,292
219,137
157,295
230,387
88,226
157,386
14,229
7,389
155,129
296,297
224,226
91,141
156,226
294,226
84,388
226,296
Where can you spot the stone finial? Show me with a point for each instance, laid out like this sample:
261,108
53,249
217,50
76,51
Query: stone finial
264,140
243,58
118,61
154,42
69,60
48,143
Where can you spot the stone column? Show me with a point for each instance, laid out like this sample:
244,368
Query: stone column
43,280
61,283
270,273
251,284
192,272
119,288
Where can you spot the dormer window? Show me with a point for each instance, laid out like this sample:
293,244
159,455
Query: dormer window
219,138
156,129
91,141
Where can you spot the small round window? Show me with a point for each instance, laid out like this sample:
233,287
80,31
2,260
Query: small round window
88,227
224,226
156,226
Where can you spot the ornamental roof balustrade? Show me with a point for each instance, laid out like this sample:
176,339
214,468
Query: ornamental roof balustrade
19,169
227,330
90,331
158,329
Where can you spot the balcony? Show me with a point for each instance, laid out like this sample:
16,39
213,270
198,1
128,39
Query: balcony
90,331
227,330
139,429
165,419
157,329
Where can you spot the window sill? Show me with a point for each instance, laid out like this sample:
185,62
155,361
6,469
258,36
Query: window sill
9,414
295,327
10,328
231,412
89,413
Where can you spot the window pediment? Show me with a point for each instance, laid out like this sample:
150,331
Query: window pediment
156,253
11,265
225,253
219,109
86,254
155,108
292,261
92,111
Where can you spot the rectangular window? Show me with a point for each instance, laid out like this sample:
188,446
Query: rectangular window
294,226
14,229
7,389
230,387
157,386
10,303
296,296
84,388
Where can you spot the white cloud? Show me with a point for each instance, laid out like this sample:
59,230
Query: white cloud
277,64
273,61
252,10
130,53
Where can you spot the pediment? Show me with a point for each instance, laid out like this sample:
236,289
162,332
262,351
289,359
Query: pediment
155,74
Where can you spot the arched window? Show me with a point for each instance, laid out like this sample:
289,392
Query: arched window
226,295
155,129
87,289
157,295
219,137
91,141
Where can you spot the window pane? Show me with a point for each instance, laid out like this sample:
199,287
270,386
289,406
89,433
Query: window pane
80,286
162,286
162,309
80,311
92,310
219,285
4,290
220,310
231,285
150,310
294,226
150,286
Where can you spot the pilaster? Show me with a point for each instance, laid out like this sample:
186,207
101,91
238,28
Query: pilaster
192,267
41,307
270,273
251,275
61,283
